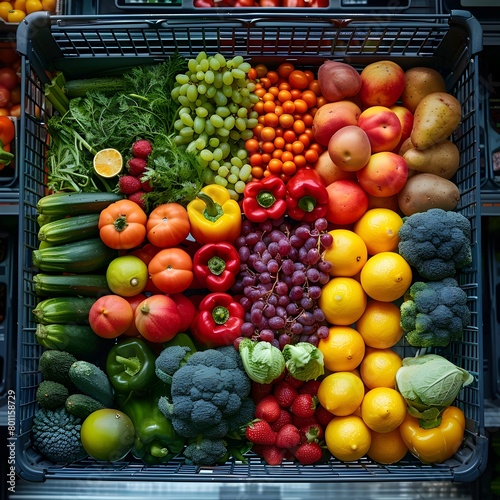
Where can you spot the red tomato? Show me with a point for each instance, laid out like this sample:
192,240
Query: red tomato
171,270
4,97
186,308
168,225
8,77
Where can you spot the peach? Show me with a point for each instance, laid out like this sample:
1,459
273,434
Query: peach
347,202
382,83
329,171
349,148
333,116
384,175
406,118
382,126
338,80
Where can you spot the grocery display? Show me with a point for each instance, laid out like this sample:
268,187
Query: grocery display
123,43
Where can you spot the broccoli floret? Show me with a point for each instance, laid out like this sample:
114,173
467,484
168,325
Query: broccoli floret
436,243
170,360
205,451
208,393
56,435
51,395
434,313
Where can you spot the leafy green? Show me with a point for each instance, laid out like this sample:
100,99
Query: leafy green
303,360
262,361
429,384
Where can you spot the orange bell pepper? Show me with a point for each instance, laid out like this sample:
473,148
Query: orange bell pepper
437,444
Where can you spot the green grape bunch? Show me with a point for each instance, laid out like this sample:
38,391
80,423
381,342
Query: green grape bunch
215,117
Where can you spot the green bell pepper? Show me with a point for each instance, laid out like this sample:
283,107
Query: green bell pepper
156,441
130,365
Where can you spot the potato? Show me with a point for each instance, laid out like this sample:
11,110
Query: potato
442,159
437,115
424,191
420,81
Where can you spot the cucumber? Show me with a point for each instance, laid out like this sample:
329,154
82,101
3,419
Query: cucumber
69,229
81,405
105,85
84,285
62,204
79,340
92,381
76,257
64,310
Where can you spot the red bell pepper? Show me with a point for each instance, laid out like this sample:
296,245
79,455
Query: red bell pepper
7,132
218,322
307,197
215,266
264,199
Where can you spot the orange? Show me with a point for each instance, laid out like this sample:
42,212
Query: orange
347,438
108,162
341,393
383,409
4,10
378,228
380,324
386,276
387,447
343,349
33,6
379,367
343,301
347,254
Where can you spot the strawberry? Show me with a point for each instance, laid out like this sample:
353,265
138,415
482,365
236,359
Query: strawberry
260,432
309,453
284,418
322,415
294,382
137,166
271,454
310,433
128,184
138,197
310,387
141,149
284,393
304,405
288,437
146,186
268,409
258,391
303,422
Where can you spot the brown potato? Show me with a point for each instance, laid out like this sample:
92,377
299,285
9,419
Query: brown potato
420,81
424,191
442,159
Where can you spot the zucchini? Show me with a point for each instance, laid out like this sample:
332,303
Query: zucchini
80,87
81,405
69,229
92,381
71,285
77,257
64,310
79,340
43,219
62,204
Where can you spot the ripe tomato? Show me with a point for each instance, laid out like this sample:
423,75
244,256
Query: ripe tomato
168,225
171,270
8,77
298,79
4,97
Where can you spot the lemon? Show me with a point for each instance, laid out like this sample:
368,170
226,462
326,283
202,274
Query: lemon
127,275
343,349
383,409
348,253
108,162
347,438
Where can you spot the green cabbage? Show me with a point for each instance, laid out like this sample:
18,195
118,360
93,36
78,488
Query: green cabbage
303,361
429,384
262,361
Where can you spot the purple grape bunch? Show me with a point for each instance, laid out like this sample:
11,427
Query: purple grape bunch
281,275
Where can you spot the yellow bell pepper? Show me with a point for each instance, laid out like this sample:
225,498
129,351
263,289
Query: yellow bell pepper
437,444
214,216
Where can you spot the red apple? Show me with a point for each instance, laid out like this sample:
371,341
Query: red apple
382,83
158,318
347,202
384,175
382,126
406,118
349,148
333,116
329,171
